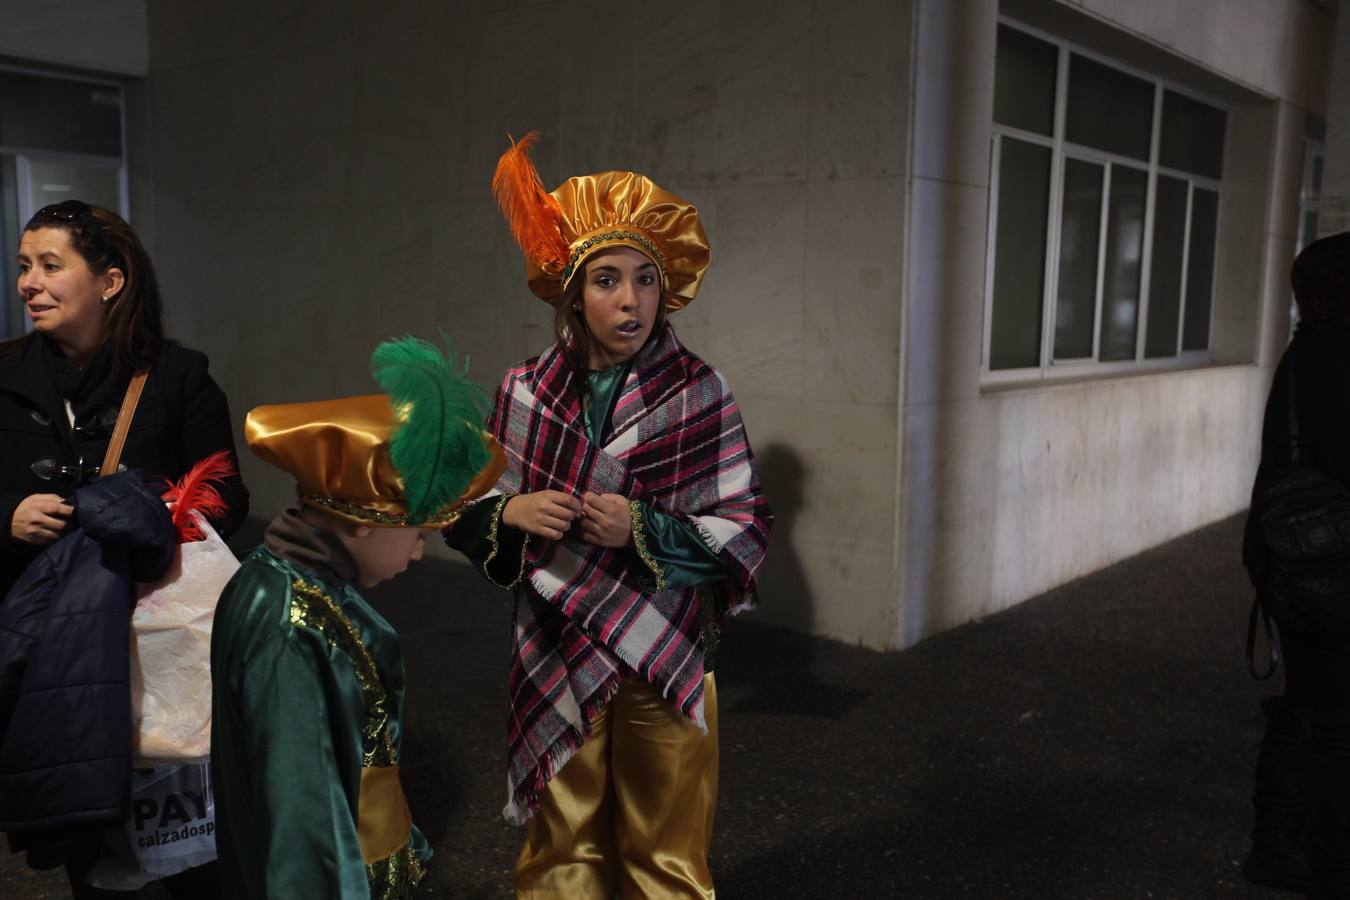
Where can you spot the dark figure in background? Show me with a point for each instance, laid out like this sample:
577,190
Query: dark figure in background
90,289
1301,832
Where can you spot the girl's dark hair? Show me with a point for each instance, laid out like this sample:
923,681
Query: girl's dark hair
105,241
1321,279
569,323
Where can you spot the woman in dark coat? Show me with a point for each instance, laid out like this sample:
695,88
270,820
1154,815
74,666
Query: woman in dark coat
1301,833
90,290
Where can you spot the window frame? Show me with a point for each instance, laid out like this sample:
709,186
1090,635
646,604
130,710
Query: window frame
1050,368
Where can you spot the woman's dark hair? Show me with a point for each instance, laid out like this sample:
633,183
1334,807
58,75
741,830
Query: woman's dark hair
569,323
105,241
1321,279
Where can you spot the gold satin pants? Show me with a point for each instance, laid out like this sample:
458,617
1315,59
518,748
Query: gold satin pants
632,810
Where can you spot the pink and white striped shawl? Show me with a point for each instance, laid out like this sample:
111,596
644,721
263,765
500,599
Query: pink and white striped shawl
583,621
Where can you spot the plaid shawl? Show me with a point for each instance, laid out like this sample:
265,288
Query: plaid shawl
583,621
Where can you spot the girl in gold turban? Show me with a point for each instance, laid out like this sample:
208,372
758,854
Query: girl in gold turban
628,523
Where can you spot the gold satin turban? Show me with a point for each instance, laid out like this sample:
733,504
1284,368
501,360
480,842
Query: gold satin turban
559,231
338,453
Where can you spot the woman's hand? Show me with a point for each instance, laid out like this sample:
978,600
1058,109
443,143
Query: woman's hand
607,520
546,513
39,519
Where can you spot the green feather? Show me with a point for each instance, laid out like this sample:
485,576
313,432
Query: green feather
438,447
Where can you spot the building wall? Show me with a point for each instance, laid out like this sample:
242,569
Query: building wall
322,181
100,35
1008,492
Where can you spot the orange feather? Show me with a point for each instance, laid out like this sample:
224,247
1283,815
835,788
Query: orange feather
535,218
194,493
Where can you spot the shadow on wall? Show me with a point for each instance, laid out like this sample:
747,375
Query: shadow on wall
785,596
766,670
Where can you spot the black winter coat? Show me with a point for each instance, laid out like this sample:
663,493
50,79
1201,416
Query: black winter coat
65,632
1320,353
182,418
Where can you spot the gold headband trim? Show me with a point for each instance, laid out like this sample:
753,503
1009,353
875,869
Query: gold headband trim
443,519
605,237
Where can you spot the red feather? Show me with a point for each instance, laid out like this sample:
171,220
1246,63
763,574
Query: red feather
535,218
194,493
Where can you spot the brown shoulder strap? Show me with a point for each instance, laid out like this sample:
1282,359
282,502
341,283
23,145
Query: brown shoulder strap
119,435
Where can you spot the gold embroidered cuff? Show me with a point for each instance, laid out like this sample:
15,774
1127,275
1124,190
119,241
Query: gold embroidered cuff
394,877
640,544
496,546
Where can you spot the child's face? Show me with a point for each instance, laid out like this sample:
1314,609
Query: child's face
382,553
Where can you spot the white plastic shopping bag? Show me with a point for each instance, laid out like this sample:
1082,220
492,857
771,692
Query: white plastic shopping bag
172,828
171,653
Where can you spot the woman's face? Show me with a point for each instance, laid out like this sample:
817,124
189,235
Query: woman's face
60,292
620,299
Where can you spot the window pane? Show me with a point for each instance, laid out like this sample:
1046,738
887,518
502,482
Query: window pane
1200,269
1124,255
55,114
1169,244
52,182
1108,109
1019,254
1308,228
1080,230
1024,81
1192,136
1317,174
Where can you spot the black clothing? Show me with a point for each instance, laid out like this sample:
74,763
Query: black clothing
1322,392
1302,795
65,637
182,418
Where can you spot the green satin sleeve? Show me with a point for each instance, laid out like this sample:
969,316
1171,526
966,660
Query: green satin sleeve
302,826
494,548
676,548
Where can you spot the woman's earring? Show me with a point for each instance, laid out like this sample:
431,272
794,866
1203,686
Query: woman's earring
104,301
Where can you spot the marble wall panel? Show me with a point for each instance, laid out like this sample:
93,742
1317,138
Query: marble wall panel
851,294
757,335
676,106
1179,457
859,110
762,91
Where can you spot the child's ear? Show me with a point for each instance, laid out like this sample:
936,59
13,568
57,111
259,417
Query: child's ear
360,531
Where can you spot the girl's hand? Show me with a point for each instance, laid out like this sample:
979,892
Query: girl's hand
607,520
545,513
39,519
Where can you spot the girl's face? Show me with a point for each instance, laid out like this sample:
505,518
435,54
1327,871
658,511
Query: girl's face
620,299
60,292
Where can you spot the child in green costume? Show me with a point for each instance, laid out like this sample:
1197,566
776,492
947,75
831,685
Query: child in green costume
308,677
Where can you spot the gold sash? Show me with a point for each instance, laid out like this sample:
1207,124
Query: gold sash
384,821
